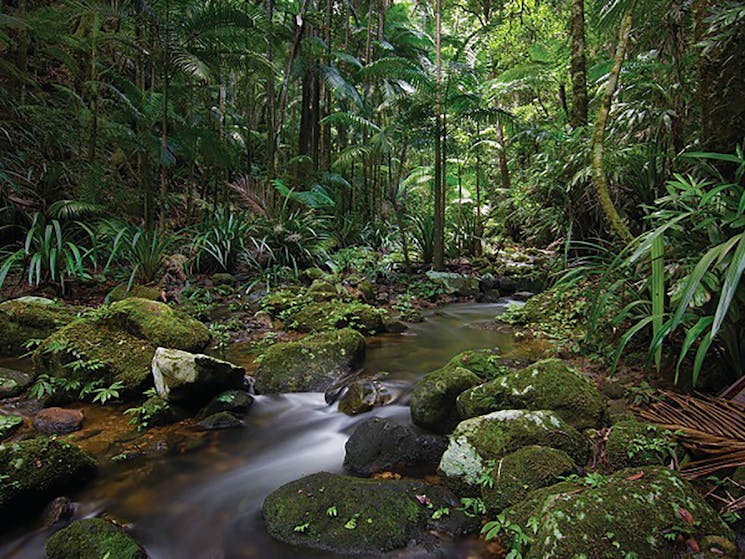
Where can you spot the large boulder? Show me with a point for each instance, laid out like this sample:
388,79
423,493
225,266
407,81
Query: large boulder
124,291
523,471
329,315
58,421
381,445
434,396
546,385
191,380
29,318
13,383
486,363
311,364
650,512
33,472
634,443
117,344
348,515
478,443
93,538
455,284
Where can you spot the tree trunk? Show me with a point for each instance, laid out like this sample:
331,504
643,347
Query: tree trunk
439,221
504,170
600,180
578,64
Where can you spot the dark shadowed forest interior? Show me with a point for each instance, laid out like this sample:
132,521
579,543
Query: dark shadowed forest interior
372,278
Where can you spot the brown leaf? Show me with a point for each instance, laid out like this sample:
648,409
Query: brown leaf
693,545
634,477
685,516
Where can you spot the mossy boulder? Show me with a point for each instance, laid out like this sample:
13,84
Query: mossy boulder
284,302
321,290
478,443
223,278
634,443
311,364
455,284
123,291
117,344
523,471
348,515
29,318
649,512
329,315
550,384
93,538
233,401
34,471
486,363
433,398
9,424
13,383
156,411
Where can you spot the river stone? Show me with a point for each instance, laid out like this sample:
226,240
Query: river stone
29,318
13,383
58,421
550,384
34,471
234,401
434,396
381,445
635,443
329,315
119,342
633,514
93,538
523,471
455,284
9,424
191,380
349,515
311,364
479,442
363,395
220,420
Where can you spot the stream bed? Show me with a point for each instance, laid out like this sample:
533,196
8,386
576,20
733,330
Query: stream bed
207,504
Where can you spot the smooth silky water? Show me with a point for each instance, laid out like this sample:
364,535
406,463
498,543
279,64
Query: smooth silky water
207,504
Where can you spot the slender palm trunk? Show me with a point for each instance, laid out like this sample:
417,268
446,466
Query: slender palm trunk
578,64
439,221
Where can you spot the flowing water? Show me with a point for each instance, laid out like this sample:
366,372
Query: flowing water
206,504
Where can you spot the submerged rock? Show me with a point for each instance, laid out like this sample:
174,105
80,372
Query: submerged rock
9,424
32,472
13,383
477,443
634,443
311,364
29,318
117,344
550,384
191,380
93,538
381,445
58,421
634,513
350,515
434,396
523,471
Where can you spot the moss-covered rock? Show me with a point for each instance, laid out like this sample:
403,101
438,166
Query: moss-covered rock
29,318
349,515
550,384
635,513
434,396
9,424
93,538
13,383
311,364
486,363
634,443
477,443
523,471
117,344
321,290
234,401
328,315
123,291
34,471
156,411
222,278
284,302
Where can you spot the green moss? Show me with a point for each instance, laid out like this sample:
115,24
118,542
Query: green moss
358,516
634,443
434,396
310,364
223,279
486,363
285,302
12,382
93,538
546,385
34,471
338,314
121,292
29,318
523,471
629,515
321,290
480,440
9,424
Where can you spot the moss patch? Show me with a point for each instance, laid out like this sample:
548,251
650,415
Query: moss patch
121,292
486,363
338,314
93,538
634,443
29,318
434,396
9,424
550,384
350,515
